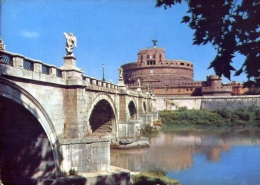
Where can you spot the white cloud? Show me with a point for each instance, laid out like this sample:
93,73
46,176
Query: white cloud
29,34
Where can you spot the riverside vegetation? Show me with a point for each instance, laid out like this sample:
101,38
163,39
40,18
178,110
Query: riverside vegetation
153,178
241,117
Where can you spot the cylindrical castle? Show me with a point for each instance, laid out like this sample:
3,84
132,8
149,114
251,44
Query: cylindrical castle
151,64
163,77
154,70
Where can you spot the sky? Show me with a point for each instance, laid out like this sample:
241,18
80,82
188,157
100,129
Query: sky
109,32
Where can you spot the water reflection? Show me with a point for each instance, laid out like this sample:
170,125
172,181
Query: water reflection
176,151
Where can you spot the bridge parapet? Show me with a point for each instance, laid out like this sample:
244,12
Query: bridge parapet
19,61
17,65
23,67
96,84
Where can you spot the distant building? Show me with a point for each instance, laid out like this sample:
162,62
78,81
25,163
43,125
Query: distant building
237,88
168,77
214,87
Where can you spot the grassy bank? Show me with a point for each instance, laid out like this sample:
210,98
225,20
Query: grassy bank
222,117
152,178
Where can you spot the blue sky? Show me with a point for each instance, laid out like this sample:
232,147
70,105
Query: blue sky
109,32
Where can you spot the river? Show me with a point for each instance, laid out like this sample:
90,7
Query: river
198,156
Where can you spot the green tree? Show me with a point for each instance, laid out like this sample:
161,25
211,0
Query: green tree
230,26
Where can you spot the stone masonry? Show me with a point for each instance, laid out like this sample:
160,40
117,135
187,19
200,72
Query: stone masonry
207,102
64,102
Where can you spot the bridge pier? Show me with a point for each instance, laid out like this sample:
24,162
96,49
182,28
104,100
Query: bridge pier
86,154
130,129
148,118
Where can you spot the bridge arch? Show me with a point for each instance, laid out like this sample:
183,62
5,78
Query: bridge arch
29,132
132,110
102,115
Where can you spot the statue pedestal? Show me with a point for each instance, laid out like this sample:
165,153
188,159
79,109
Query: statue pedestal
139,89
69,63
70,69
121,84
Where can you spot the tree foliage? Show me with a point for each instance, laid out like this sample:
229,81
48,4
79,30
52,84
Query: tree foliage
230,26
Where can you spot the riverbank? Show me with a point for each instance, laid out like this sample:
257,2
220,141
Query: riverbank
236,118
152,178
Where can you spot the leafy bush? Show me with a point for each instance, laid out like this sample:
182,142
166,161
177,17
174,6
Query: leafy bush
148,129
158,172
240,117
225,113
200,117
245,116
183,108
150,178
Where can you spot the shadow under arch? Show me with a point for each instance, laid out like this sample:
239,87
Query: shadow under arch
132,110
36,139
144,107
102,116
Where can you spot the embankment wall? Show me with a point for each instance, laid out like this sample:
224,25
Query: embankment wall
208,103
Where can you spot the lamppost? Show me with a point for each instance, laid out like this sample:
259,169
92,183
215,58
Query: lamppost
103,66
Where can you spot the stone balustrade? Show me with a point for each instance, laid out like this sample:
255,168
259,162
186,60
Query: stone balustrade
40,71
20,62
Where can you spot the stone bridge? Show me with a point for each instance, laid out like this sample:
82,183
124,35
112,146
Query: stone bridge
56,119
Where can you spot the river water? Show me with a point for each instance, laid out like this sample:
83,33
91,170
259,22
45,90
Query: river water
197,156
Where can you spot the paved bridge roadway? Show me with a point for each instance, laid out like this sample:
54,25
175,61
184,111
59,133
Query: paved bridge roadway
54,119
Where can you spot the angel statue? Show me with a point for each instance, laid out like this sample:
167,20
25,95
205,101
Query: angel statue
71,42
2,46
138,82
154,43
148,88
120,69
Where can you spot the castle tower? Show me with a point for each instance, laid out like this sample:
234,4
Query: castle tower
162,76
